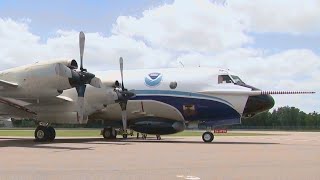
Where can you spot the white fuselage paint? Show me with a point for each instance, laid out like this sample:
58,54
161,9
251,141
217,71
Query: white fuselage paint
189,80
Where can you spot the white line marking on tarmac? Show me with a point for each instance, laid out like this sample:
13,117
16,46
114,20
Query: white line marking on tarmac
192,178
188,177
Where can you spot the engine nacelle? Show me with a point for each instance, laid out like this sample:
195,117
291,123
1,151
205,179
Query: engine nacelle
154,125
70,63
42,79
50,78
111,84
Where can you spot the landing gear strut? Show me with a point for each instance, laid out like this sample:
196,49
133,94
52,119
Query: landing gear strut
158,137
126,133
144,136
207,137
44,133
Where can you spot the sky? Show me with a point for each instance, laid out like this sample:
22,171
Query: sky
270,44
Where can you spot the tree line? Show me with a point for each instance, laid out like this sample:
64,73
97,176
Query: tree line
282,118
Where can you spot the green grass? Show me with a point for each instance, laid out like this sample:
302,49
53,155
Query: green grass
96,133
61,133
199,133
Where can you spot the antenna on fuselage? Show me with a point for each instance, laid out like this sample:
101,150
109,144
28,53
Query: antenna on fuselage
181,63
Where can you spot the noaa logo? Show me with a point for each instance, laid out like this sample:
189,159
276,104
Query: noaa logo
153,79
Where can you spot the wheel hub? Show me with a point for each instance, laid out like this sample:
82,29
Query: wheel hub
107,134
207,137
40,134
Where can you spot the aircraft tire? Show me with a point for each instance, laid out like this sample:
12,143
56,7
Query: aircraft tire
125,136
107,133
114,133
41,134
207,137
51,133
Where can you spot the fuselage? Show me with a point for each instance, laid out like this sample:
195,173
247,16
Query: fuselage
187,91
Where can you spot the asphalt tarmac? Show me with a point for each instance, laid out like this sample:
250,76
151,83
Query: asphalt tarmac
288,155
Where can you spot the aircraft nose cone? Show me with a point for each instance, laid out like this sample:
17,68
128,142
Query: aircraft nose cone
257,104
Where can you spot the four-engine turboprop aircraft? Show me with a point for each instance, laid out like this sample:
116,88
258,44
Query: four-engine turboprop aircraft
159,101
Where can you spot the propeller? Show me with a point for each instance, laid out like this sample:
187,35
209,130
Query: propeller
82,39
81,78
123,96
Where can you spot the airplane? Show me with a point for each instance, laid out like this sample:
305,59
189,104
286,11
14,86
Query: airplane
154,101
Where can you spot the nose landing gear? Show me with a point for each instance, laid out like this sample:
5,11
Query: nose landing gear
207,137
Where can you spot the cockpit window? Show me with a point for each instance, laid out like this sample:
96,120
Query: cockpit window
236,79
224,79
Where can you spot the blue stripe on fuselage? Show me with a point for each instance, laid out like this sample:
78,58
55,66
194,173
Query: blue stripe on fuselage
179,93
207,108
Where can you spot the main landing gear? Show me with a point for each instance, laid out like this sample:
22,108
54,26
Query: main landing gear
109,133
44,133
207,137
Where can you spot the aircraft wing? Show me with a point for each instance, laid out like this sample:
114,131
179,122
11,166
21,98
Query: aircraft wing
10,107
6,84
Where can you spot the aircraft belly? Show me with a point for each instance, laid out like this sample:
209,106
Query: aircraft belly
59,118
140,109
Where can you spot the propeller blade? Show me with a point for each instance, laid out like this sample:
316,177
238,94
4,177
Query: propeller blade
124,120
80,103
96,82
121,70
124,95
82,39
81,90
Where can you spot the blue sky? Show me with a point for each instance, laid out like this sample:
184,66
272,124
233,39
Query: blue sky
98,16
276,42
90,15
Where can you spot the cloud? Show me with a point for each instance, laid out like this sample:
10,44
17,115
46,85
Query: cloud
187,25
19,46
284,16
17,43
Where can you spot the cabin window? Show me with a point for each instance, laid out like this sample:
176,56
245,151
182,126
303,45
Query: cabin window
236,79
224,79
